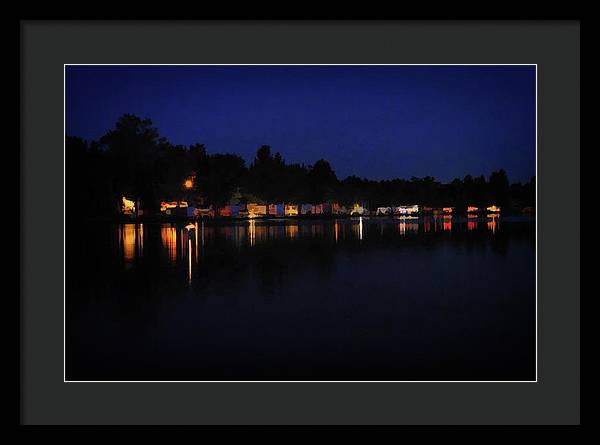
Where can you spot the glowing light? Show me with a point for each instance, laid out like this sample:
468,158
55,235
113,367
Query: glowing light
472,209
255,210
447,209
472,224
406,210
357,209
164,206
167,205
493,209
291,210
225,211
128,206
188,184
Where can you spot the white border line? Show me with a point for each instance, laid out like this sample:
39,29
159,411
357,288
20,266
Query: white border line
536,223
64,223
299,381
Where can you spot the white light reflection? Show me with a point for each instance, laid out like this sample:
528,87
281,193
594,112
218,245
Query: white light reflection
252,232
189,260
360,228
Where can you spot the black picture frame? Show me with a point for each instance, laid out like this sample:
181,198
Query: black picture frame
47,45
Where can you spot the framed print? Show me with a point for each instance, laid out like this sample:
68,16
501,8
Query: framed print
251,215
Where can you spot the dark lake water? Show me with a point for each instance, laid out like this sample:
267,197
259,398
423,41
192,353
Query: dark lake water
350,299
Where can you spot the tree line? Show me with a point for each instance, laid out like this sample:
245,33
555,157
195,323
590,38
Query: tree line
133,160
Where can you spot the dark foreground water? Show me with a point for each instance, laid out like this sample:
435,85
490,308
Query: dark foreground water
352,299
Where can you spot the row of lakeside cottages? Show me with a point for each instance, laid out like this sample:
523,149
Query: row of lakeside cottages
251,210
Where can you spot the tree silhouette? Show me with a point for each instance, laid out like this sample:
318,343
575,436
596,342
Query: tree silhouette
133,160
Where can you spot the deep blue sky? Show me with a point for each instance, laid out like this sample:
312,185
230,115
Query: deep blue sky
378,122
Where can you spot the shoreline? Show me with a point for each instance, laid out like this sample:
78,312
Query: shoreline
315,217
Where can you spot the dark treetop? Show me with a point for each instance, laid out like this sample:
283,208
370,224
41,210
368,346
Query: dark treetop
133,160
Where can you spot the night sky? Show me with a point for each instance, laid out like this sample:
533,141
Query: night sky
377,122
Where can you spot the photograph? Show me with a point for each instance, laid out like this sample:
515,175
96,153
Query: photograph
300,223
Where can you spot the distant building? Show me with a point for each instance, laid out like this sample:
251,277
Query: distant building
291,210
357,209
306,209
255,210
225,211
127,206
406,210
167,206
276,209
206,212
383,211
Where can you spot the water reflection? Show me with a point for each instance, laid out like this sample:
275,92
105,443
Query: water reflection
196,239
189,261
177,241
317,230
128,232
472,224
252,232
202,233
412,226
131,239
343,285
168,236
360,228
493,222
402,228
140,239
336,230
447,224
291,231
